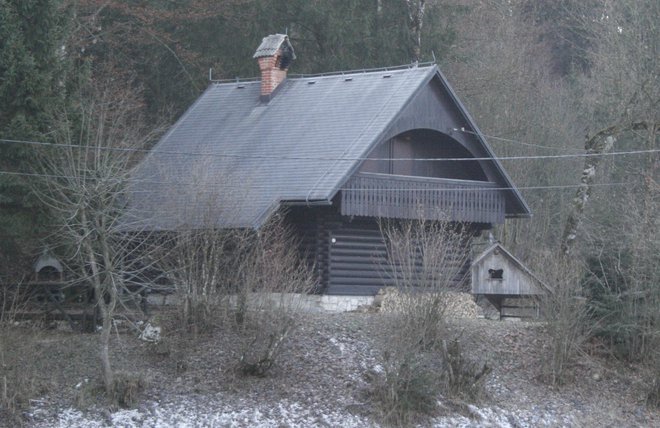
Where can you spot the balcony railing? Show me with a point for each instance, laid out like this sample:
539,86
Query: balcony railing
397,196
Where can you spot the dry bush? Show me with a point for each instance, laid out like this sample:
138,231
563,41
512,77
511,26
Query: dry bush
244,281
13,300
462,377
201,261
202,266
126,388
568,317
406,391
422,357
18,382
273,275
425,259
19,376
653,396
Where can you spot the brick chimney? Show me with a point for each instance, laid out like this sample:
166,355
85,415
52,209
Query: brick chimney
275,54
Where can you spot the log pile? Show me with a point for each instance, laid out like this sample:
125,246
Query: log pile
455,304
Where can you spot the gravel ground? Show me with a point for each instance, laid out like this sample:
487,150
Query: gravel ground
321,381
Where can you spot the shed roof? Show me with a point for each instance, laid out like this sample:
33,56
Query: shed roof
271,44
231,159
47,260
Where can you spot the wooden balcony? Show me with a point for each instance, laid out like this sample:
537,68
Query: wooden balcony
398,196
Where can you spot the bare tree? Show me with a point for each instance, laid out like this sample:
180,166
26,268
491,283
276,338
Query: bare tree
86,177
595,148
501,67
622,91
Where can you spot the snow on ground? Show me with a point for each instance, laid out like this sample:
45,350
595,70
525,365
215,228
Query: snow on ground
196,412
189,413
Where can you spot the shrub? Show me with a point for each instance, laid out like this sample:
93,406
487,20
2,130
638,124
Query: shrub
569,318
461,377
406,391
653,396
244,281
422,357
126,388
13,299
268,309
414,378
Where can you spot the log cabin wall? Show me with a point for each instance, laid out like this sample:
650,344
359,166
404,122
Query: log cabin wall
348,254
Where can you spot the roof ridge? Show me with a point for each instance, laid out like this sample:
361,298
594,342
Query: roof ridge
334,73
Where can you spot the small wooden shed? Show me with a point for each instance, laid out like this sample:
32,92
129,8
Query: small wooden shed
507,283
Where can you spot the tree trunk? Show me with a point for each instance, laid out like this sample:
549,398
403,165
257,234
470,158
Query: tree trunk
595,146
99,294
416,10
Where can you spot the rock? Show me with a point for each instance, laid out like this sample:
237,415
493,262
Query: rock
596,376
150,333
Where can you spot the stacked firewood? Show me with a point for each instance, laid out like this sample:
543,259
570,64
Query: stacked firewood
454,304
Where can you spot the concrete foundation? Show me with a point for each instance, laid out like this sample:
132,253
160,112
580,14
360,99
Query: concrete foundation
303,302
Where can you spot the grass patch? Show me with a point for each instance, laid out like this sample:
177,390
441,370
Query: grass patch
20,371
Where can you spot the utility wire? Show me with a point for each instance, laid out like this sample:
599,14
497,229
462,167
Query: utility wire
509,140
272,157
215,187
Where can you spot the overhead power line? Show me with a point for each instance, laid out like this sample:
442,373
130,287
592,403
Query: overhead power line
333,159
509,140
216,186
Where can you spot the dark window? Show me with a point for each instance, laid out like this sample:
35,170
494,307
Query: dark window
496,273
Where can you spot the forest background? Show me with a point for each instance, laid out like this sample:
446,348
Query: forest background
547,82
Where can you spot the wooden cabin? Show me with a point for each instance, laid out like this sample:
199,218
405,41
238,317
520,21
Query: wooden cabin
506,283
337,151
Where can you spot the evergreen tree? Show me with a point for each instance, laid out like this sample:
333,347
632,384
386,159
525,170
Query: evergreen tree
32,69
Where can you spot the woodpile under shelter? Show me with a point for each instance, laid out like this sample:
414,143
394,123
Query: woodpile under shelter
336,151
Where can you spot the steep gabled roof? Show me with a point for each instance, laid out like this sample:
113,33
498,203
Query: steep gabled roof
231,159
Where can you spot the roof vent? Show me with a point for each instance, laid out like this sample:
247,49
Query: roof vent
274,54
